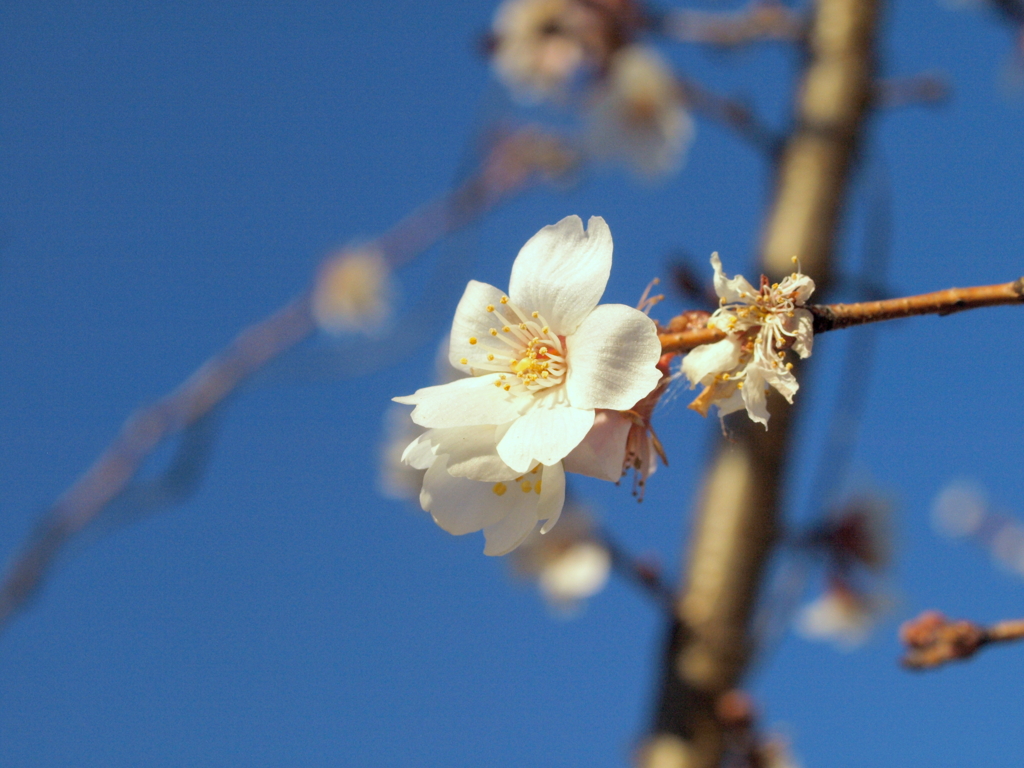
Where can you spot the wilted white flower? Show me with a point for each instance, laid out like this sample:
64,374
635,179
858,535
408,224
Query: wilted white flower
841,615
541,361
638,115
540,46
761,325
353,291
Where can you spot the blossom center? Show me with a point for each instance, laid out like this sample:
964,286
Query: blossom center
525,352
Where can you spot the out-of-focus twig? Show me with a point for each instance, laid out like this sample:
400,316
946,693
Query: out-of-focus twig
761,20
732,113
933,640
514,162
927,88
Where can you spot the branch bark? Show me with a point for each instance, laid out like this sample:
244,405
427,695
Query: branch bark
737,515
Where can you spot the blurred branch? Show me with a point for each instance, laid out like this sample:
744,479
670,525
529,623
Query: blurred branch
732,113
515,161
762,20
933,640
737,516
922,89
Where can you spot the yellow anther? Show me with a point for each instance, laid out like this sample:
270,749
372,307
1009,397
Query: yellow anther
494,331
490,307
535,470
472,339
506,329
527,486
522,326
499,489
490,357
508,387
789,366
739,385
497,383
545,329
536,486
535,314
544,374
503,377
464,361
504,299
793,259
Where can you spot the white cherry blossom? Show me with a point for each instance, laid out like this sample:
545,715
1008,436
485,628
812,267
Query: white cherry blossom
539,361
761,326
543,358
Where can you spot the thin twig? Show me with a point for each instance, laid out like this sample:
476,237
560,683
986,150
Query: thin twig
834,317
933,640
830,317
761,21
514,162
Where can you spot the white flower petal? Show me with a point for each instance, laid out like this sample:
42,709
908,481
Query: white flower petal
784,381
561,272
804,332
798,284
603,450
473,321
731,404
472,451
419,454
612,358
507,534
552,495
754,397
708,360
463,506
735,290
463,403
547,432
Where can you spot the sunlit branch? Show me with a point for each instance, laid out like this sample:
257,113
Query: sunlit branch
833,317
514,162
762,20
830,317
933,640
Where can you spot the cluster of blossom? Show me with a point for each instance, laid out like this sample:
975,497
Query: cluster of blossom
547,50
499,441
760,327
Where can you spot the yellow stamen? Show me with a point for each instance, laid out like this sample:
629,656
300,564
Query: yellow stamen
504,299
472,339
464,361
536,487
490,307
526,486
535,314
499,489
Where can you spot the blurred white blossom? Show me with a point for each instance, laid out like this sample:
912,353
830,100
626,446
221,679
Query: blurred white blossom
761,326
541,46
840,615
353,291
540,362
638,115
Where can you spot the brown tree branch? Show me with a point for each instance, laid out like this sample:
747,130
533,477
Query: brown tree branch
834,317
514,162
933,640
737,516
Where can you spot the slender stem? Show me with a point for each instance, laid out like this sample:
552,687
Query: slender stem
514,163
834,317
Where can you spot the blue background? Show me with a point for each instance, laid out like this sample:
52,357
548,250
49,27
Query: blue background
172,172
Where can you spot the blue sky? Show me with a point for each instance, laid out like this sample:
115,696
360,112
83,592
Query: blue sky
172,172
